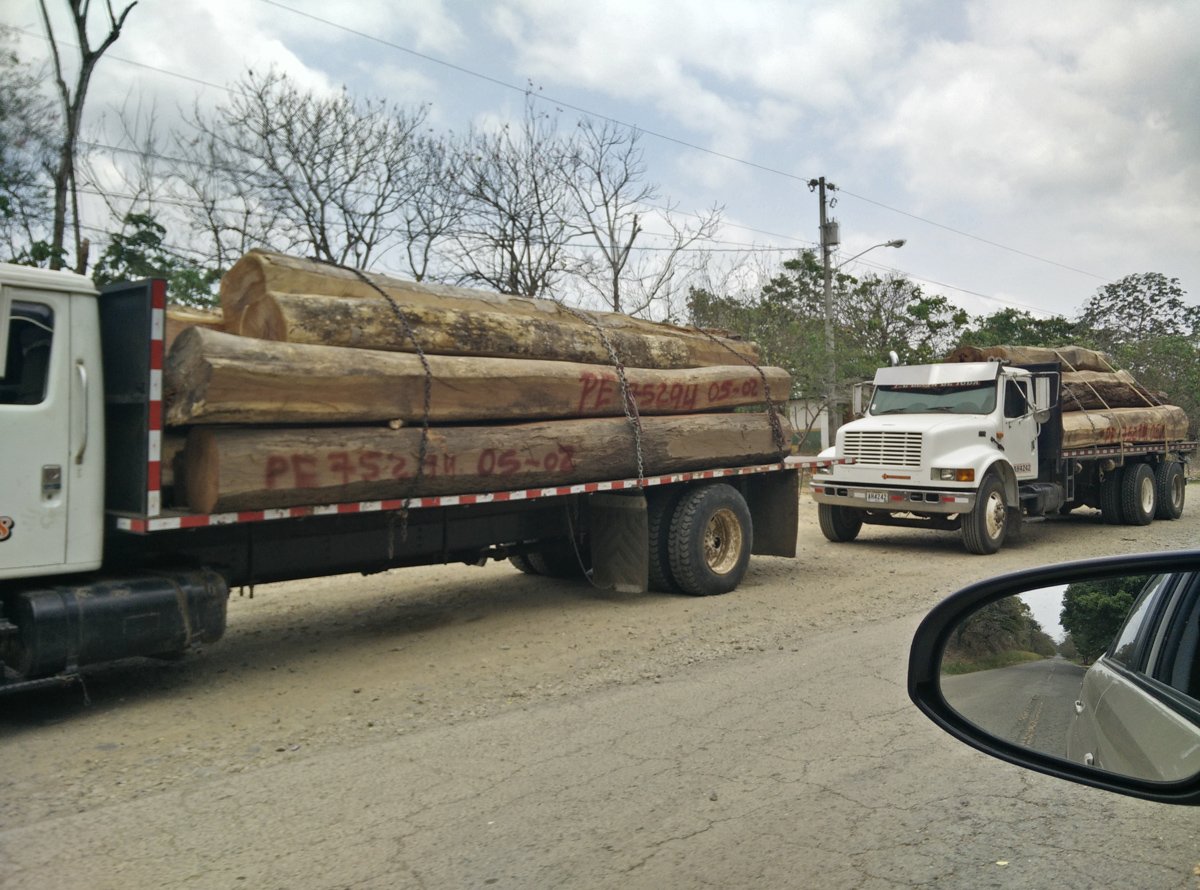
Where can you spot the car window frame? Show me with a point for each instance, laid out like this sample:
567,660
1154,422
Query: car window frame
1152,594
1173,600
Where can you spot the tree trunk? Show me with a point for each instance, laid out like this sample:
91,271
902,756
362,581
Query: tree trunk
180,318
1075,358
250,469
221,378
278,297
1144,425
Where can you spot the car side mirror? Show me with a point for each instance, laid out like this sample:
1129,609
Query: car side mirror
1088,671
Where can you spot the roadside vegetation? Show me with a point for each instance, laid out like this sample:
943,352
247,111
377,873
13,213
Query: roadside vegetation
1000,634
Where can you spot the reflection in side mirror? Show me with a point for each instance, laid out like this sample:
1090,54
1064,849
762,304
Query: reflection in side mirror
1092,675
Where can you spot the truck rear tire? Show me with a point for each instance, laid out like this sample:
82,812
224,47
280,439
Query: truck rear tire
1170,486
1139,500
839,524
1110,497
710,540
660,508
985,527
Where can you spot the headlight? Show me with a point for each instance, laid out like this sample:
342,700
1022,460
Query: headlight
955,474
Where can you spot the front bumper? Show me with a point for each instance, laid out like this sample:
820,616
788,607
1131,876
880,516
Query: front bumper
892,499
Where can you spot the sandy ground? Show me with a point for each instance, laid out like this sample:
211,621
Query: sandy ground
337,663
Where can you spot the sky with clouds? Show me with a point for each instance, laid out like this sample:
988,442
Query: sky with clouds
1028,152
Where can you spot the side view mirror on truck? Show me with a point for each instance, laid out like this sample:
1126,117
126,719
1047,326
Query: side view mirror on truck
1087,671
1044,388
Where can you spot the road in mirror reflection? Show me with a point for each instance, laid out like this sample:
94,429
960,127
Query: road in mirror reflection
1102,672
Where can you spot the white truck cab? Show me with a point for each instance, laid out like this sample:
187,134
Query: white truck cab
944,445
51,424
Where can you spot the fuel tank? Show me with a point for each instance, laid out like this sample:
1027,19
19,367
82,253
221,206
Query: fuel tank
58,628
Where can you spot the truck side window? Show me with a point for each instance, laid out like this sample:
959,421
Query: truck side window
1015,403
26,372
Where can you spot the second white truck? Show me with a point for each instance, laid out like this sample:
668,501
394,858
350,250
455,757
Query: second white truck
977,447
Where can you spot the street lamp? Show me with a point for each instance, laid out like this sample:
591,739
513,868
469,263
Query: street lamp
827,242
898,242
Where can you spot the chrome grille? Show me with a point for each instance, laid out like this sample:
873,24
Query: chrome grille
884,449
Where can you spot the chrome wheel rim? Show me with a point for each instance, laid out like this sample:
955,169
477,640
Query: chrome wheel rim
994,516
722,541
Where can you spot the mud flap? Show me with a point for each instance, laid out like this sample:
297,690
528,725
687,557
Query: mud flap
620,542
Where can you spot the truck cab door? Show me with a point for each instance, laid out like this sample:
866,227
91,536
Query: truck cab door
1020,430
51,470
35,423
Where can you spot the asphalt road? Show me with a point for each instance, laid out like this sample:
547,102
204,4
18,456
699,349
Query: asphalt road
479,728
1029,704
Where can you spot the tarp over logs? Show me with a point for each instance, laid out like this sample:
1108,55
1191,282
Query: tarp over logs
1101,405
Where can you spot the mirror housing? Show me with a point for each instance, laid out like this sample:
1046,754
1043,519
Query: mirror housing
935,630
1045,388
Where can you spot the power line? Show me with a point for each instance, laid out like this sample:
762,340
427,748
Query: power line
525,90
974,237
658,135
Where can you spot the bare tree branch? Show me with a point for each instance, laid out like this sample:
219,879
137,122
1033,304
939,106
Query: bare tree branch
72,103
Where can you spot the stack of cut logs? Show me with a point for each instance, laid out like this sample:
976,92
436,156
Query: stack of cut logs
309,388
1101,405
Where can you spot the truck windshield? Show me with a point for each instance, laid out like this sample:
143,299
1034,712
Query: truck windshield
960,398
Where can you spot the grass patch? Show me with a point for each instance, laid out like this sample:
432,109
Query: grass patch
962,664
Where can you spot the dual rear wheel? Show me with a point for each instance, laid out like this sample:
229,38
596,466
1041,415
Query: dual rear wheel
1139,493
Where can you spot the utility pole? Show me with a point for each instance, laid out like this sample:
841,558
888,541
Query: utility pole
829,240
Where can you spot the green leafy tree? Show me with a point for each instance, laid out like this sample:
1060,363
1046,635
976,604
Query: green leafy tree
785,319
1138,308
879,315
139,251
1093,611
1067,648
1148,328
1006,625
1015,327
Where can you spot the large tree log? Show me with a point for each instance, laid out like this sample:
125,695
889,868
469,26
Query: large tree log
249,469
1089,390
1130,425
273,296
1072,357
180,318
221,378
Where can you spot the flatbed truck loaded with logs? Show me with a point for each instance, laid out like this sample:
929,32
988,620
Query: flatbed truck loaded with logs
332,421
997,437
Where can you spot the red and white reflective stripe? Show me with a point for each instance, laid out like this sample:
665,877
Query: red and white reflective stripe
158,322
167,523
1127,449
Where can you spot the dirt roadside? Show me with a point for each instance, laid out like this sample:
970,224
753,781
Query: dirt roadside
338,663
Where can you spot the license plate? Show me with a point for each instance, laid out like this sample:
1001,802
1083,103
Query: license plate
877,496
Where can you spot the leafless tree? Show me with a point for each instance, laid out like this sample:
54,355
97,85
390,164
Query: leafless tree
28,122
516,232
226,214
72,105
437,208
632,268
337,172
